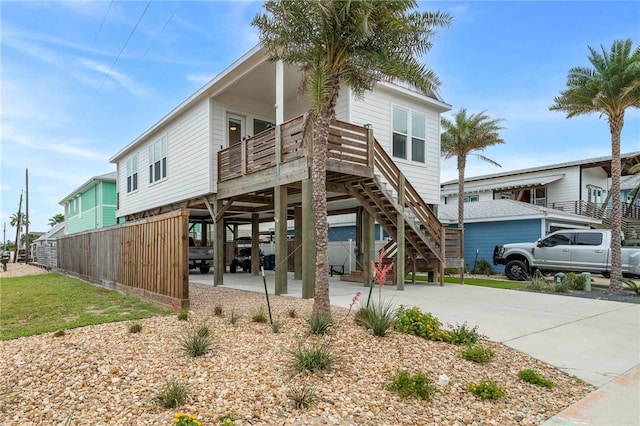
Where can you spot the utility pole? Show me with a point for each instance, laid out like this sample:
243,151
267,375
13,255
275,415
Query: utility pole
4,237
27,243
18,225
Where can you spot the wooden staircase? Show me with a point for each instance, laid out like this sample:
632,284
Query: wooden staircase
389,197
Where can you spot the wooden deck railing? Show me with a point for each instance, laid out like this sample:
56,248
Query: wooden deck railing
595,210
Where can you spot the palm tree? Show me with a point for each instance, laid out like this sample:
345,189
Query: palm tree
351,43
56,219
18,219
468,135
608,89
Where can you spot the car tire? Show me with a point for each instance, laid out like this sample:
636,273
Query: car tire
233,267
516,270
204,269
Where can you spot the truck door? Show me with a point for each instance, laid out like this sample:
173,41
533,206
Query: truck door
554,252
588,252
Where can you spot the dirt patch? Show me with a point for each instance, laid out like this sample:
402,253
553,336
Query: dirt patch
20,269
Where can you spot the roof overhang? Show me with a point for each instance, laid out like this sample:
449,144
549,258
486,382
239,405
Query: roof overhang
502,186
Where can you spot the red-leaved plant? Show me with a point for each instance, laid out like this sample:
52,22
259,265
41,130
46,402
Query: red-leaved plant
380,272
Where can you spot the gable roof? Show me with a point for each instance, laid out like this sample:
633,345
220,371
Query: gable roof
500,186
628,160
503,210
56,231
107,177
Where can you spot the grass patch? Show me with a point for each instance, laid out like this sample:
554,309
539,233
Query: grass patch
43,303
480,282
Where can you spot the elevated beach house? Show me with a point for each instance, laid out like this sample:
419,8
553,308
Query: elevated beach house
236,152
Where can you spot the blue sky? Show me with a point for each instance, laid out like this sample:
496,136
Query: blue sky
78,83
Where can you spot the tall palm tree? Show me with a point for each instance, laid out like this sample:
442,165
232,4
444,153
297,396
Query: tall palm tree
351,43
608,89
56,219
18,219
468,135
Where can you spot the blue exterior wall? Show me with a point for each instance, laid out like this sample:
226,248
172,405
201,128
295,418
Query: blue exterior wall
483,237
343,233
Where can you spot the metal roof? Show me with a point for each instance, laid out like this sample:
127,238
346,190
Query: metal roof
498,186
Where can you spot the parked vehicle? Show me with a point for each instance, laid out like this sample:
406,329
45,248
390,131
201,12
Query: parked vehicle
242,259
571,250
200,257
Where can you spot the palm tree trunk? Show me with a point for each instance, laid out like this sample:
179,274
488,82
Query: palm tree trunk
321,303
615,126
462,162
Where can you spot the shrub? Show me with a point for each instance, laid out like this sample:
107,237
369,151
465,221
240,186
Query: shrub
319,324
378,317
227,419
419,385
217,310
173,394
302,396
477,354
135,327
482,268
560,287
317,357
196,343
575,282
537,283
425,325
234,317
464,335
275,326
183,419
259,316
531,376
487,389
183,315
635,287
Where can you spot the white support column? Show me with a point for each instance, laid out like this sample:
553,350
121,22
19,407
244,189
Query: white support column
279,92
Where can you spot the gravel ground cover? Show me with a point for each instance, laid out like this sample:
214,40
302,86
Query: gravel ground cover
103,375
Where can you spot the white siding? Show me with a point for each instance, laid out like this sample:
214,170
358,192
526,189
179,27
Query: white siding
375,108
187,164
595,177
565,189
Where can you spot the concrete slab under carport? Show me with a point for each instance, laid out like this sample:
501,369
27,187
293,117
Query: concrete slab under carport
594,340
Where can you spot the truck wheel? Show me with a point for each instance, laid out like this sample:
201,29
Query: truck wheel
516,270
204,269
233,267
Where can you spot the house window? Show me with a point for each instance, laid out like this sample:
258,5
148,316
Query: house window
405,130
260,125
400,132
540,196
132,174
158,160
470,198
418,131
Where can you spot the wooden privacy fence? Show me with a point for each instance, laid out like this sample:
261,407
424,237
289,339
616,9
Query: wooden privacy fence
147,258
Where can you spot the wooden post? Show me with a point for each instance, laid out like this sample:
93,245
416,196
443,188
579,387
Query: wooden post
400,243
368,254
280,206
359,239
308,242
297,242
219,249
255,244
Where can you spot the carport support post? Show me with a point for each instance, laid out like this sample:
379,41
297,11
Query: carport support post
280,207
368,255
255,244
219,249
400,243
297,241
308,242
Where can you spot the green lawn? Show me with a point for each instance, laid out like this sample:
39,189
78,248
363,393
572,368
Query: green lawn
41,303
479,282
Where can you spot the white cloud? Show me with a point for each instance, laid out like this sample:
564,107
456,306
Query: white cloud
201,79
121,79
5,187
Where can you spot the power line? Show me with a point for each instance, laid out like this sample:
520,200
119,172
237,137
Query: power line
106,76
104,18
165,26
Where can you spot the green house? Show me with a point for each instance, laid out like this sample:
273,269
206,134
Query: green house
93,205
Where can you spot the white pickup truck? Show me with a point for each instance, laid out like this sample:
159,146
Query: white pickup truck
570,250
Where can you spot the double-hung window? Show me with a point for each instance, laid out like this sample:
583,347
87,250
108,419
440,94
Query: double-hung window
408,127
158,160
132,174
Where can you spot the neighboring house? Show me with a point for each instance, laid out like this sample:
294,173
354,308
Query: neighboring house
497,222
46,247
579,187
218,155
91,206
